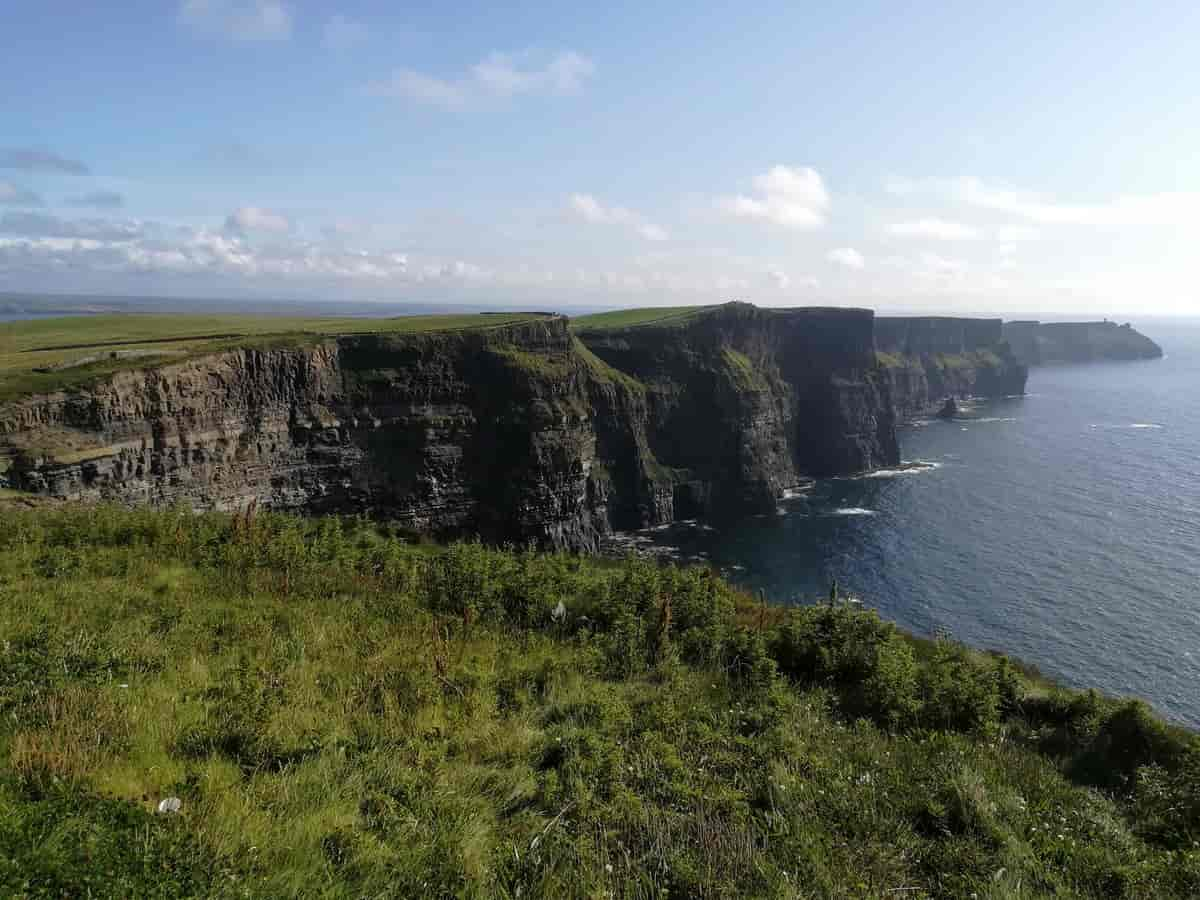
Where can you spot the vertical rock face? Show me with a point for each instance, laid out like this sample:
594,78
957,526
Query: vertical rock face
1040,343
524,432
474,432
743,403
926,360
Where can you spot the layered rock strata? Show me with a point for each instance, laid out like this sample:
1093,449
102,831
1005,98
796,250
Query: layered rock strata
525,433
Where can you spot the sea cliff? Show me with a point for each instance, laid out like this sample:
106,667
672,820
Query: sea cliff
925,360
1041,343
532,431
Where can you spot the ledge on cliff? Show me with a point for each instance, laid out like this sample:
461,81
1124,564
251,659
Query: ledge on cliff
1042,343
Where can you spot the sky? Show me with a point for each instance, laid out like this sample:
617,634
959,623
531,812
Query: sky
908,157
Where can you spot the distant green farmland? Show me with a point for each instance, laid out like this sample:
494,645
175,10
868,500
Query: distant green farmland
40,355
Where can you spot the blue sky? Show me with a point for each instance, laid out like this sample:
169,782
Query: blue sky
936,157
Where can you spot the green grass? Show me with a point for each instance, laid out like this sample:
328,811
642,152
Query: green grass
42,343
603,372
346,715
632,318
895,360
976,359
741,371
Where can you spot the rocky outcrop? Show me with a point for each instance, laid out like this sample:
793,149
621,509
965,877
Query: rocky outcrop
927,360
525,432
1042,343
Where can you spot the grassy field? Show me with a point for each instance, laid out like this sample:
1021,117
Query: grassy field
631,318
144,339
342,714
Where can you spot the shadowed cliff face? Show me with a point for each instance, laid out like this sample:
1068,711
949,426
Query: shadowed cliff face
928,359
744,403
517,433
1041,343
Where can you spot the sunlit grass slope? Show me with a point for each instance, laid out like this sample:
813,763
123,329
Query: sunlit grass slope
631,318
342,714
143,339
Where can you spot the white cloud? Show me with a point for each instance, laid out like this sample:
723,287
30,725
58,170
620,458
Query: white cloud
785,196
1177,208
239,20
41,225
1133,210
589,209
253,218
1017,233
458,269
419,88
500,73
847,256
900,186
927,265
778,278
934,265
497,75
340,34
653,232
935,229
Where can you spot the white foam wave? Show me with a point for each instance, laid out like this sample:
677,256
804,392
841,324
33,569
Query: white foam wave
793,492
913,468
853,511
1140,426
996,419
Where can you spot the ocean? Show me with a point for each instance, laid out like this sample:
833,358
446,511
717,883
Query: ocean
1062,527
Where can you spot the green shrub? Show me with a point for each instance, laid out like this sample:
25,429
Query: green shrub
956,693
1128,739
857,654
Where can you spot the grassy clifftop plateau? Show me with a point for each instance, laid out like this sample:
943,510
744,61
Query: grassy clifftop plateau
343,714
632,318
43,355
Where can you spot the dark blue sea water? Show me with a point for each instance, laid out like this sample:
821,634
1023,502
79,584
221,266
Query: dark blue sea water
1062,527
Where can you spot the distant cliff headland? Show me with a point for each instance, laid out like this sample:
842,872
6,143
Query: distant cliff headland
1043,343
521,427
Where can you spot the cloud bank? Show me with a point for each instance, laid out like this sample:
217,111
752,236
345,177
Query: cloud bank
498,75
